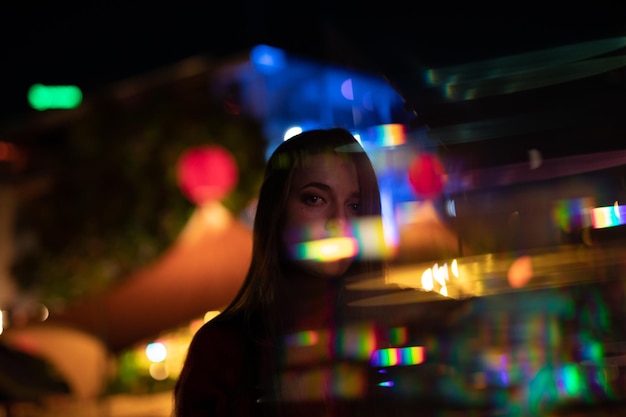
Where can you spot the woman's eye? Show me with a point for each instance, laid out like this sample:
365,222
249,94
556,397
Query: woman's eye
312,199
355,207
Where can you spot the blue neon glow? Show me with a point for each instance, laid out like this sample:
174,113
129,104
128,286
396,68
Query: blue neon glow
267,59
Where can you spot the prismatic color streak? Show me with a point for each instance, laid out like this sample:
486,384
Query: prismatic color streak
304,338
571,214
398,335
404,356
330,249
389,135
356,342
610,216
368,241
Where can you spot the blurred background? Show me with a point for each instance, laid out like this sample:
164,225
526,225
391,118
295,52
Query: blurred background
133,138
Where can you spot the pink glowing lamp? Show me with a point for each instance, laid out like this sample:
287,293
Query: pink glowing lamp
427,175
207,173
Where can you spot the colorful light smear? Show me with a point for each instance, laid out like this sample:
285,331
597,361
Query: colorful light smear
554,384
401,356
570,214
325,250
365,239
398,335
570,380
388,135
356,342
304,338
610,216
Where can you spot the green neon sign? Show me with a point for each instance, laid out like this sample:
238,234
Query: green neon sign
44,97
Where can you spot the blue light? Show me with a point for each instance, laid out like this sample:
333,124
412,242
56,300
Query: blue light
346,89
267,59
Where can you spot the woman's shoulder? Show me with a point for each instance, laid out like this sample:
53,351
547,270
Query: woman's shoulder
225,329
222,325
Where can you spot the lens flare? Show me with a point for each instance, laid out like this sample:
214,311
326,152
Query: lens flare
326,250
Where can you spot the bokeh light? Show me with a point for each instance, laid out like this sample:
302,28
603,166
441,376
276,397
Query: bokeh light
521,272
207,173
427,175
268,59
346,89
156,352
159,371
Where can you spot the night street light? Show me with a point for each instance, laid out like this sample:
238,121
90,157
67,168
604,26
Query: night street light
44,97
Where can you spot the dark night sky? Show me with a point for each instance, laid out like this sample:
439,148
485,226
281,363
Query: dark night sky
94,43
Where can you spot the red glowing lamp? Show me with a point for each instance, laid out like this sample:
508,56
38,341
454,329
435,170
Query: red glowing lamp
427,175
207,173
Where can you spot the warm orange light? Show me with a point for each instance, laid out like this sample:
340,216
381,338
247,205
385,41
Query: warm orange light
520,272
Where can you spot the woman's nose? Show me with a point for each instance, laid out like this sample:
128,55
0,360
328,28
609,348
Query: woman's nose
337,223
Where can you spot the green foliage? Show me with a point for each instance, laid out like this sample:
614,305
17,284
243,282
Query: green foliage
115,204
132,376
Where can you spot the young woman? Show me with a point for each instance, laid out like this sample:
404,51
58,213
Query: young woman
288,344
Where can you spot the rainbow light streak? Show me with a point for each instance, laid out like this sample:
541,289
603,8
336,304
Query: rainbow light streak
325,250
357,342
571,214
570,381
405,356
388,135
304,338
610,216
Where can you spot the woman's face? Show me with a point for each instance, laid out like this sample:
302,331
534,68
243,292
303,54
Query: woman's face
323,197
